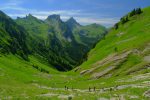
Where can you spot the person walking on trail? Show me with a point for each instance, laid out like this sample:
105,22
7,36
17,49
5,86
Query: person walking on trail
94,88
89,89
102,89
111,89
116,87
65,87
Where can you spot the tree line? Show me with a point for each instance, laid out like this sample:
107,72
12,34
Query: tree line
125,19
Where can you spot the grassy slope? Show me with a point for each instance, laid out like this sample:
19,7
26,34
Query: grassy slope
89,34
132,35
19,80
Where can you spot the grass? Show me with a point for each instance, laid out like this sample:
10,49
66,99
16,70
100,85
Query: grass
18,80
124,39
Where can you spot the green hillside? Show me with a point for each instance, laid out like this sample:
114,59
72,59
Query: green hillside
123,51
83,34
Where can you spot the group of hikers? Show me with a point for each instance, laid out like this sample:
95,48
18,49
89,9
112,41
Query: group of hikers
66,88
90,89
94,89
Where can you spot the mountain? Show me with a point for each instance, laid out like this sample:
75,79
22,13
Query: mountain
72,23
63,43
46,41
59,27
54,20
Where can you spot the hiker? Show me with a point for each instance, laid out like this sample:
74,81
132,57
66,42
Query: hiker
111,89
94,88
89,89
116,87
65,87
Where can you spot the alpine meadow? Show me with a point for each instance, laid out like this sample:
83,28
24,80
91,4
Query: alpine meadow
74,50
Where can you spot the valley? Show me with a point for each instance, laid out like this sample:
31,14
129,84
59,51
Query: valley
56,60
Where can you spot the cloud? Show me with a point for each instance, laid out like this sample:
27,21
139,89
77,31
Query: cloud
12,5
65,15
12,8
60,12
14,2
15,10
102,21
43,14
16,15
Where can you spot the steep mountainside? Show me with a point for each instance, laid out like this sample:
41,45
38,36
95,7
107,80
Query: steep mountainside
124,51
64,44
12,37
44,42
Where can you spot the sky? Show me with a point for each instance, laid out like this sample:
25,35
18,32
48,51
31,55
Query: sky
104,12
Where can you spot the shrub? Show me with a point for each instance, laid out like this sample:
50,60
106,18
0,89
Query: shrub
135,12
